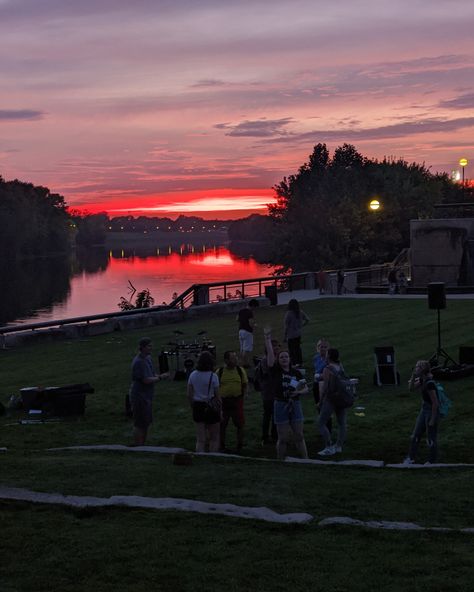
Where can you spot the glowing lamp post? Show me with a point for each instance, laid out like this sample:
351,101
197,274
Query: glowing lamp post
374,205
463,164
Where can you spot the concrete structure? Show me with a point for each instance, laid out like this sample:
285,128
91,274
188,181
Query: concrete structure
442,251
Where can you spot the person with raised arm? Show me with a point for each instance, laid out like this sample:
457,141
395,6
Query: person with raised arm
288,385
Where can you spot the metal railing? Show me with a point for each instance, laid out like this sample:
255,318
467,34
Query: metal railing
201,294
195,295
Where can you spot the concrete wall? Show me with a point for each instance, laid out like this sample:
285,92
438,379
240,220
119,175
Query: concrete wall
441,251
123,323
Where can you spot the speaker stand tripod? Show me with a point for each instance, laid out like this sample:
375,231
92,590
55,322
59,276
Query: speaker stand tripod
440,353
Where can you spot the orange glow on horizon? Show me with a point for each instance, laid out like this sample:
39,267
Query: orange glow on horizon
222,204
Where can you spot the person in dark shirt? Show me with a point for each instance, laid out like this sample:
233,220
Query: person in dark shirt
288,385
142,391
428,417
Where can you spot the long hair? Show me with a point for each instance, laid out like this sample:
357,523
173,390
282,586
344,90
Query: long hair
333,355
205,362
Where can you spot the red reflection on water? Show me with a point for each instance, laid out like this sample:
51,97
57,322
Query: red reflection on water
214,265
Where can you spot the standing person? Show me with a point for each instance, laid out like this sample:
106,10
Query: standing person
203,385
288,385
264,382
295,320
322,281
392,281
246,321
233,385
142,391
320,362
428,417
340,281
327,408
402,283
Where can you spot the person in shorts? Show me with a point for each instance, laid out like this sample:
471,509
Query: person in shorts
203,385
288,385
142,391
233,386
246,321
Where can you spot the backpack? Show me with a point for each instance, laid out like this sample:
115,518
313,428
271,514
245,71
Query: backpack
444,402
342,395
221,370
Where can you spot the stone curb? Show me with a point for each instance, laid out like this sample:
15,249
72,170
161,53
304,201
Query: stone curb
229,510
166,503
289,459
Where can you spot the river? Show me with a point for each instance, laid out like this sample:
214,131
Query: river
93,281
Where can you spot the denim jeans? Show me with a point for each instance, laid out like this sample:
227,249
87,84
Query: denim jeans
422,426
326,410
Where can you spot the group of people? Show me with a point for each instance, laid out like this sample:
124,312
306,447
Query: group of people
217,396
397,281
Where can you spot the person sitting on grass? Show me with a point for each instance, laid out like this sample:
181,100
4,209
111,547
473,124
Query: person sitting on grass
142,391
428,416
288,385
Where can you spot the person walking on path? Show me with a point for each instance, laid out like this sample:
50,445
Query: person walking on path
340,281
428,417
233,389
392,281
288,385
246,321
203,386
295,319
333,368
141,393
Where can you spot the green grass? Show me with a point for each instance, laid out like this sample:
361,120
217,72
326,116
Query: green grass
121,550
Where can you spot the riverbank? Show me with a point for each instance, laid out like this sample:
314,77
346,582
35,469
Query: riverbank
116,240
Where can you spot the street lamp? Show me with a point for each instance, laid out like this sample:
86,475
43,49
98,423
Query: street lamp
374,205
463,164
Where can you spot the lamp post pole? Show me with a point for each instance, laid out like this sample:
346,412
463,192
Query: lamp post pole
463,164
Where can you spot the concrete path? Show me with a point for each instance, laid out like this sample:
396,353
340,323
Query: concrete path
304,295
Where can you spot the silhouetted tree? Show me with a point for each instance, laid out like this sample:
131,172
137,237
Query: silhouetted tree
321,217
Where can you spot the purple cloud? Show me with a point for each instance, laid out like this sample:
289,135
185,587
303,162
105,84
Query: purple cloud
462,102
20,115
260,128
397,130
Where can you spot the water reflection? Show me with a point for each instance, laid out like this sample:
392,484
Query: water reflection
92,281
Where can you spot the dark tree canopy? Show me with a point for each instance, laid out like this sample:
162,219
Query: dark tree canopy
322,217
33,221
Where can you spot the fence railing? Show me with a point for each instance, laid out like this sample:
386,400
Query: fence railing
200,294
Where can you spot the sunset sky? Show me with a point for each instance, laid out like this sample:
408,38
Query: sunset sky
200,106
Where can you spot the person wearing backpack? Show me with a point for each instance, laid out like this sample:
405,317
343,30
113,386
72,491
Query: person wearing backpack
233,388
428,416
328,386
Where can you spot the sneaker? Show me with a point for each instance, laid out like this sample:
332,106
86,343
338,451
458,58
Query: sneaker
408,461
328,451
337,449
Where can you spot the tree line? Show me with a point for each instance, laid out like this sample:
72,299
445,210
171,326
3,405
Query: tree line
321,218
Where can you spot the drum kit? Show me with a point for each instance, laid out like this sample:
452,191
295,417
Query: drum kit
184,354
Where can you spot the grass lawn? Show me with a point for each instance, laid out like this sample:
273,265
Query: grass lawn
134,549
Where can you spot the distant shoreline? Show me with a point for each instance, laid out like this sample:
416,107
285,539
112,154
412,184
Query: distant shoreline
114,240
